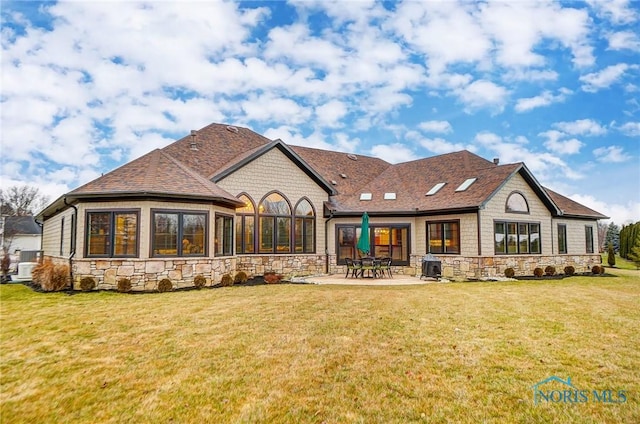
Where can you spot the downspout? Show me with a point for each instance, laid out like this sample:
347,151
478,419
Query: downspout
74,233
326,241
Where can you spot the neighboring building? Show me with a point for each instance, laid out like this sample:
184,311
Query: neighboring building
225,199
21,236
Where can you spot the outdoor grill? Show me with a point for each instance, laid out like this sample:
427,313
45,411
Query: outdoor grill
431,266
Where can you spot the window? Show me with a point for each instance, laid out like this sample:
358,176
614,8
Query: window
112,234
588,233
62,237
443,237
304,231
516,238
178,233
245,226
562,238
516,203
224,236
275,225
436,188
386,241
466,184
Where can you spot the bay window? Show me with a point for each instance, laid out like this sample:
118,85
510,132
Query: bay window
112,233
178,233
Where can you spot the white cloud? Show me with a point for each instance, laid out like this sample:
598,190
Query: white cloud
393,153
622,40
605,78
581,127
442,127
619,213
611,154
441,146
483,94
617,11
545,99
631,129
330,113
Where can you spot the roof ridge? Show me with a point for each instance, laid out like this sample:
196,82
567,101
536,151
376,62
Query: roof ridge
202,180
152,170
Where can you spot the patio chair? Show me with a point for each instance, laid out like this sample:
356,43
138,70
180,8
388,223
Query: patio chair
385,266
369,265
352,267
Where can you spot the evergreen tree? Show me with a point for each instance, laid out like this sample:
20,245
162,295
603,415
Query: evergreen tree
634,255
611,257
613,236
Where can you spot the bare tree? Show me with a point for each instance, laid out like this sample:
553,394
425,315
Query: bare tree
22,200
602,235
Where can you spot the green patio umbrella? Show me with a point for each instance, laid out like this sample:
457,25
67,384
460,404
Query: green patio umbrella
363,242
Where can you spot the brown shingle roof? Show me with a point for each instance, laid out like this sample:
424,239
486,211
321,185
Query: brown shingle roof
571,208
156,173
219,146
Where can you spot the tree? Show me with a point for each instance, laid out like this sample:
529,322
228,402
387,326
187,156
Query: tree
634,255
602,234
22,200
628,235
611,256
613,236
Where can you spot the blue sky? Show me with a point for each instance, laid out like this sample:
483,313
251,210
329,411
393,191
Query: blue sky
88,86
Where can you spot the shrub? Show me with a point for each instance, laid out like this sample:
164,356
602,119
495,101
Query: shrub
226,280
611,255
509,273
165,285
272,277
538,272
569,270
124,285
199,281
241,277
597,269
87,283
550,270
51,277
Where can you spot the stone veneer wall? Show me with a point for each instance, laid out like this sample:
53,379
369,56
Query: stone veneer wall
146,273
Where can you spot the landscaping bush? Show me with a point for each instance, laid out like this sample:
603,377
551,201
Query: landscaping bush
124,285
597,269
569,270
272,277
51,277
550,270
87,283
165,285
199,281
241,277
538,272
509,273
227,280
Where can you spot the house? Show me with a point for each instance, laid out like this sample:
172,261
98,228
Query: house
225,199
21,237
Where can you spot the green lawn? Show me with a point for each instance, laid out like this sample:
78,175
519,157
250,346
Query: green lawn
620,262
455,352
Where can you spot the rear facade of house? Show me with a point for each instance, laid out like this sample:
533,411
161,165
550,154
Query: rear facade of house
225,199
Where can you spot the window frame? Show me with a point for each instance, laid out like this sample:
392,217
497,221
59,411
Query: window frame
275,234
518,237
372,227
443,239
588,236
562,231
526,202
112,234
180,233
306,220
241,224
225,218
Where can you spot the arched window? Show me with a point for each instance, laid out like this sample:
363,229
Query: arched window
304,230
245,226
274,214
516,203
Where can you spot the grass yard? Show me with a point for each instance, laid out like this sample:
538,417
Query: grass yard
441,353
621,263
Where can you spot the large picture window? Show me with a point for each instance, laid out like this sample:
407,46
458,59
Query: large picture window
112,233
179,233
275,225
386,241
516,238
304,230
224,236
443,237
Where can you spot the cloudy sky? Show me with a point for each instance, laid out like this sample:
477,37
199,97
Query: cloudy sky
90,85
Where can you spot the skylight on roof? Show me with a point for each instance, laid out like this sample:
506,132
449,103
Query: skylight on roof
466,184
389,196
365,196
435,189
